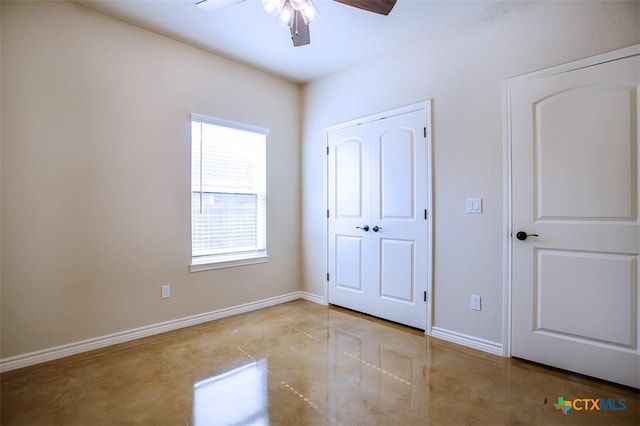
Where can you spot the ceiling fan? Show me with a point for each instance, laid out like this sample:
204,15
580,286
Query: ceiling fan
298,13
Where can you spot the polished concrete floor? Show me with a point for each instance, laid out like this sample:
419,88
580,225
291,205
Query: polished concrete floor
300,363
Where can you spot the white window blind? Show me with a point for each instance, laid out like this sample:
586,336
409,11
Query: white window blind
228,190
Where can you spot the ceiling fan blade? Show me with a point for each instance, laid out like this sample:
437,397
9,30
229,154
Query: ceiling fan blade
299,30
382,7
216,4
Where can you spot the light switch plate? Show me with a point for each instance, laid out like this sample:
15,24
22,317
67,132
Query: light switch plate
475,302
166,291
473,205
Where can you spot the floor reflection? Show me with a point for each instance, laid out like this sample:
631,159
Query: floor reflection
236,397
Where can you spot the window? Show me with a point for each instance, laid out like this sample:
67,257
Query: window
228,193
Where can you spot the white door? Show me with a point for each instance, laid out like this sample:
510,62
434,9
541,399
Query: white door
349,216
377,248
574,144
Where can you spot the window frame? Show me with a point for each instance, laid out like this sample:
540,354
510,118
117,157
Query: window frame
203,263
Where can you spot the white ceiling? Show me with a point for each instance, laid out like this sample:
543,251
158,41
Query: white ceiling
340,36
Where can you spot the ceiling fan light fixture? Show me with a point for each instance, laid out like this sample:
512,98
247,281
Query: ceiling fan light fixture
285,10
309,11
273,6
297,14
285,15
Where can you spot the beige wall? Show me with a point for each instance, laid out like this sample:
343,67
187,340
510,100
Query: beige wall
95,176
462,70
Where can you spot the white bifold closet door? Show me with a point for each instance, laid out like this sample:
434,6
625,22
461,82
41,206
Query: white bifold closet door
377,218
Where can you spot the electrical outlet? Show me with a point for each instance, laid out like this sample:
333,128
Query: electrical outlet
475,302
166,291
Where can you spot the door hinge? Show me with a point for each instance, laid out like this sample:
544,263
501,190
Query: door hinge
425,132
425,296
327,150
327,276
327,213
425,214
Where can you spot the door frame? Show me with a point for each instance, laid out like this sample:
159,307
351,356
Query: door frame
508,167
426,107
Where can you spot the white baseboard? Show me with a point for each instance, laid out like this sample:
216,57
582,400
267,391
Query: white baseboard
50,354
313,298
469,341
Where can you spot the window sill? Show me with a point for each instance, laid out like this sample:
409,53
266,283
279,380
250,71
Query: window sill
207,263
